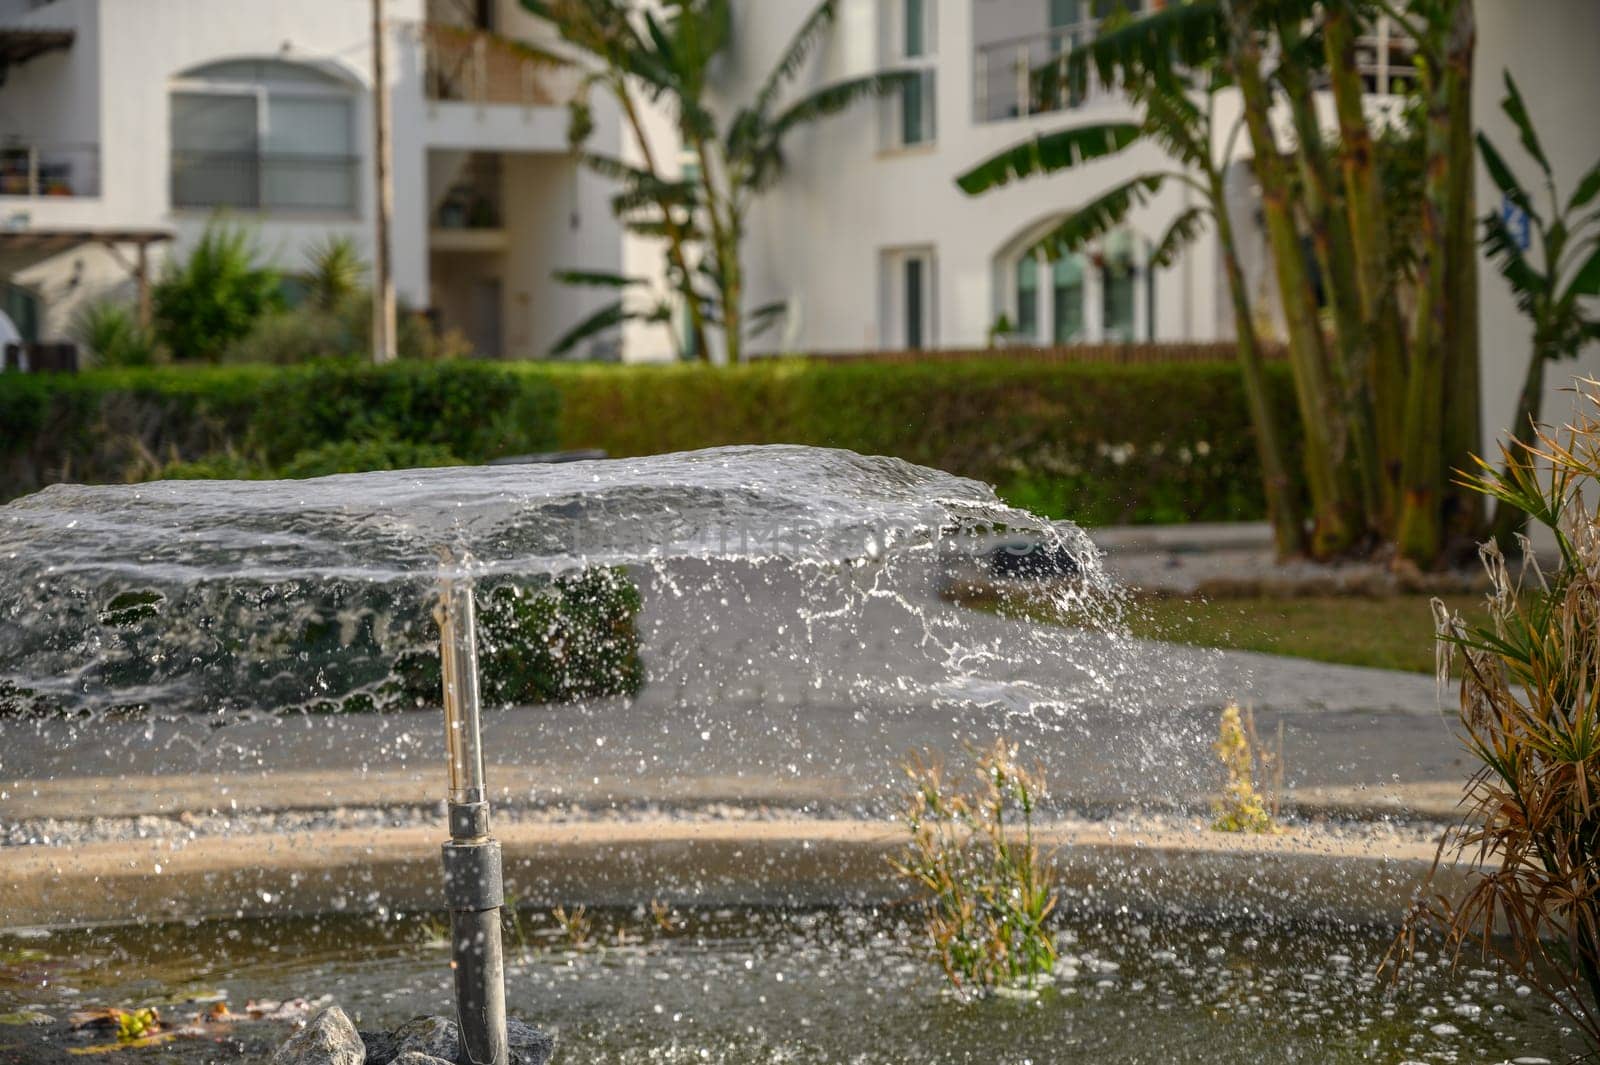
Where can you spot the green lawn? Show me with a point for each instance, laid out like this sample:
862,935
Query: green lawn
1392,633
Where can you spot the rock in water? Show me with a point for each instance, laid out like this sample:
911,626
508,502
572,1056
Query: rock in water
330,1039
529,1046
436,1037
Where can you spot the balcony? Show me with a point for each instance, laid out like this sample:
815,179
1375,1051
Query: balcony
1012,77
266,181
466,65
468,214
28,169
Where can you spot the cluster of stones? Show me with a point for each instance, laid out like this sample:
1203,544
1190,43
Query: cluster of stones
330,1039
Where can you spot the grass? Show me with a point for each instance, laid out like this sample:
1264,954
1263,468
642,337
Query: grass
1388,633
1395,632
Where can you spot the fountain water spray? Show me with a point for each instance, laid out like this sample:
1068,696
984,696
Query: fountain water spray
473,886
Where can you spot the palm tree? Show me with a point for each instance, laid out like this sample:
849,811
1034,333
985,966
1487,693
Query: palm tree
1550,294
641,59
1378,427
1183,129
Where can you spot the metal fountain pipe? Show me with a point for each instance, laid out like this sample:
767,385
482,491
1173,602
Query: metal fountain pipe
473,886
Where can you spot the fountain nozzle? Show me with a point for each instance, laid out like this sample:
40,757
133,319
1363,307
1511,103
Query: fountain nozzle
474,889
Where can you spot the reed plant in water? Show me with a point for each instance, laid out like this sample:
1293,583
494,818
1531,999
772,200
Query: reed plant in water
987,894
1529,687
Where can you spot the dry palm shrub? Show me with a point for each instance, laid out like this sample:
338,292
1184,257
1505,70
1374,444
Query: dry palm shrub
1530,710
988,895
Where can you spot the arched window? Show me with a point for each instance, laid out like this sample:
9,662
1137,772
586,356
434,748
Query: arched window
263,135
21,305
1093,296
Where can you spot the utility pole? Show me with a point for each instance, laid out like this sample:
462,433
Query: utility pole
383,311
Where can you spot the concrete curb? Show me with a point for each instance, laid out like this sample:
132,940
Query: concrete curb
310,790
1299,874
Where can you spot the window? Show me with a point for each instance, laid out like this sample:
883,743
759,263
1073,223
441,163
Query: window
21,305
907,311
916,29
1118,286
263,135
1066,305
916,300
1106,295
909,115
1117,315
1028,296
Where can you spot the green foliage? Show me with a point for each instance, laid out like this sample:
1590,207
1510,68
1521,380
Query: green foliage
473,410
344,456
972,855
1047,153
333,319
381,453
215,295
305,334
111,330
575,639
257,421
1095,443
1552,292
667,55
336,273
1098,444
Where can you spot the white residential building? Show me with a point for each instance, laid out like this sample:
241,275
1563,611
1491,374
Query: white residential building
122,118
127,120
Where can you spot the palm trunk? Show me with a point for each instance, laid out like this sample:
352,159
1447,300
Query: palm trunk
1332,242
1283,508
1334,518
1420,536
1369,237
1510,520
677,257
1463,507
725,246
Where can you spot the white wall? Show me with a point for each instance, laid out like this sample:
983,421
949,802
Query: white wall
137,48
1553,58
819,237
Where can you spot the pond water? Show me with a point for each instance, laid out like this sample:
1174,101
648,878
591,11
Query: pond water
752,987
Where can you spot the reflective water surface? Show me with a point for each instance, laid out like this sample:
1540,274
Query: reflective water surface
765,986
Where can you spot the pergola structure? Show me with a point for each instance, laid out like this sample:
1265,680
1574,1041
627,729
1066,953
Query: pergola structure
36,244
18,44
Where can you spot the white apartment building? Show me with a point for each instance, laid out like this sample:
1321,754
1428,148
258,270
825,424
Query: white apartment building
128,121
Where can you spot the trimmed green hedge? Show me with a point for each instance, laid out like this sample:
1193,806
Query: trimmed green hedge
1097,443
131,425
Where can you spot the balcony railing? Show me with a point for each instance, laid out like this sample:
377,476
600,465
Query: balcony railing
1025,76
477,66
265,181
28,169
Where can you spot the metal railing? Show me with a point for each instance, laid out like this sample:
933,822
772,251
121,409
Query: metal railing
265,181
477,66
28,169
1024,76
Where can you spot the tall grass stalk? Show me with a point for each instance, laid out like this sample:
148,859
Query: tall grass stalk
988,894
